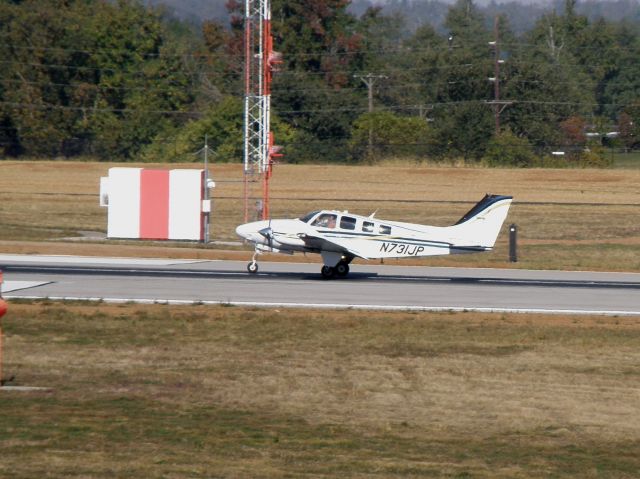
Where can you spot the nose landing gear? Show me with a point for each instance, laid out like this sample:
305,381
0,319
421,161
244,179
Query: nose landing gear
252,267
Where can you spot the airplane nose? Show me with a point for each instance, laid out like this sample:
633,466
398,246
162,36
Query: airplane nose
251,231
243,231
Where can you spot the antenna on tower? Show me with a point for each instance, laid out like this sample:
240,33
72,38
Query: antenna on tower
260,63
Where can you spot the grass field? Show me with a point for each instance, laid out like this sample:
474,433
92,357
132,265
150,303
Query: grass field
629,160
175,392
567,219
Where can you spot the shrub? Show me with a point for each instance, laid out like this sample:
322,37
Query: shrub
508,149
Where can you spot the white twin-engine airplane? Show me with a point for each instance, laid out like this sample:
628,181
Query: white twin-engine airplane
340,236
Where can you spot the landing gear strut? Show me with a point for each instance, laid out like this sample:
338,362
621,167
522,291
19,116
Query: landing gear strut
252,267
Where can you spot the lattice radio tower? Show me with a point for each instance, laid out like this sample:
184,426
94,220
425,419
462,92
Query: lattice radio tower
260,63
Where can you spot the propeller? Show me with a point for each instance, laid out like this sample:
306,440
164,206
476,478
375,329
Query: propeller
268,234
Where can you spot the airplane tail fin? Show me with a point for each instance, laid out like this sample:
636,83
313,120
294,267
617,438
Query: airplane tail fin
480,226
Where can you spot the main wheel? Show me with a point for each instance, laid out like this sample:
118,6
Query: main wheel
327,272
252,267
342,269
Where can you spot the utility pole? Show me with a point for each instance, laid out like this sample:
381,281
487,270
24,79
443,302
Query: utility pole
370,80
207,185
498,105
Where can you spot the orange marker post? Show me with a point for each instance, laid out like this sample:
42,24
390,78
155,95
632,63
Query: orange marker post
3,310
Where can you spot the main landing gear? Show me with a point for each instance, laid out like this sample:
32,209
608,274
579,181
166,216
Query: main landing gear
340,270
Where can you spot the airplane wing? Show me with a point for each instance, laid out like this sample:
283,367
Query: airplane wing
331,244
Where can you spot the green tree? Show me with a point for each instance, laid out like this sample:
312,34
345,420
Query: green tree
88,77
462,121
427,57
222,68
141,84
546,84
222,124
621,85
508,149
383,134
629,131
314,92
383,53
463,132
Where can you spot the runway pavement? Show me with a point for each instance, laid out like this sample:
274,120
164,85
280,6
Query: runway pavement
294,284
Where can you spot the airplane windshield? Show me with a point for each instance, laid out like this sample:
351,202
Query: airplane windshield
307,218
325,220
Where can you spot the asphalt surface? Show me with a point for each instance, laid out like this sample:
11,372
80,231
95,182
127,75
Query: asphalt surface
293,284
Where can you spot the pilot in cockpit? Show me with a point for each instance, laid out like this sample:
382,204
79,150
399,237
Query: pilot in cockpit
325,221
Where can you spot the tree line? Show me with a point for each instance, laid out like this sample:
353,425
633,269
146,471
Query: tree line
125,81
522,15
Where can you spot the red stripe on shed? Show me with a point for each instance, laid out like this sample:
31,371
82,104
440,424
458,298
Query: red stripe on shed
154,204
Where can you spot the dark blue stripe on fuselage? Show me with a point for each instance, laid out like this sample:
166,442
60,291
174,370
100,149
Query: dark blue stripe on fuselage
388,239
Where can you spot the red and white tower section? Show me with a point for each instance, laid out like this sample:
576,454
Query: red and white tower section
260,63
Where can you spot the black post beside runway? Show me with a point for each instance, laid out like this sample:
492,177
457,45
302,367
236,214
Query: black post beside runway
513,243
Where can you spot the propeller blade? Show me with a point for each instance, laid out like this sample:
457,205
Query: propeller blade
268,234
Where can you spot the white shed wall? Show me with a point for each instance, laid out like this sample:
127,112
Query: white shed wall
124,203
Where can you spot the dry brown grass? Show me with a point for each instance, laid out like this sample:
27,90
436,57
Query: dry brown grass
157,391
593,225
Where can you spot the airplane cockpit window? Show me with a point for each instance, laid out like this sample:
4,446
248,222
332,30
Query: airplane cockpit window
306,218
367,226
347,223
325,220
385,230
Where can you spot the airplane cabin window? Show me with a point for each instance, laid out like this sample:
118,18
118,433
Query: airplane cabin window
325,220
347,223
367,226
385,230
306,218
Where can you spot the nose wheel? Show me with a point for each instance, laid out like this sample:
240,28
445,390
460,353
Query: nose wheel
252,267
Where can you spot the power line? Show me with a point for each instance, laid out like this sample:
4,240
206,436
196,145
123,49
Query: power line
306,111
323,72
403,48
40,106
395,89
99,87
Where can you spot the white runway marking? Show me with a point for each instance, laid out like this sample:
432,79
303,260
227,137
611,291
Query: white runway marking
378,307
52,259
9,286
